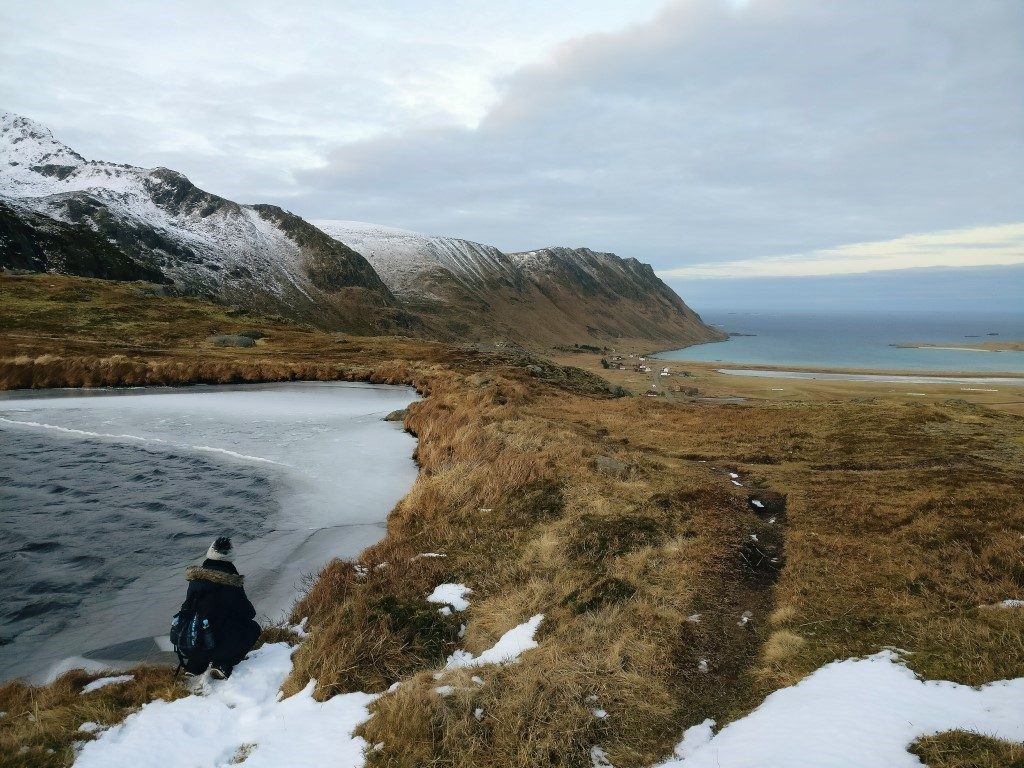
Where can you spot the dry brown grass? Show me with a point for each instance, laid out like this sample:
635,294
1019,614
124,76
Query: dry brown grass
960,749
894,523
40,725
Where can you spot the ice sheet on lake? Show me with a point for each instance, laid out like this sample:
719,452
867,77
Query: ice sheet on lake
334,466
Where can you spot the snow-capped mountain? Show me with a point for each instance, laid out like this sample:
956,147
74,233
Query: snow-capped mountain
60,212
551,296
410,263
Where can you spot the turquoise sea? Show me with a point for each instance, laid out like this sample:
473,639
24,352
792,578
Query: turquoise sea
826,340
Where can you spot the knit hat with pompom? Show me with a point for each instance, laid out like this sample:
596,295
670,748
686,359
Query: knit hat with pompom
220,549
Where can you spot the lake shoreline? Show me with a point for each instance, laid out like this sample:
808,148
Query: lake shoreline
290,528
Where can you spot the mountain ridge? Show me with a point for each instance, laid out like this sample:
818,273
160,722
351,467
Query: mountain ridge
166,229
551,295
60,212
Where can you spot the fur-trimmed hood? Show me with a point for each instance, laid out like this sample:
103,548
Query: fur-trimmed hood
199,573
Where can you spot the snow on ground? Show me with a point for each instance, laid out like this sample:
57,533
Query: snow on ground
509,647
858,713
1006,604
243,715
695,737
453,595
95,685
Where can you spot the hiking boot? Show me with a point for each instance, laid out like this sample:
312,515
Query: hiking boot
219,674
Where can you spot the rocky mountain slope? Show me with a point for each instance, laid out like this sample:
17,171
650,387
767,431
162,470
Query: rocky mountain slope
62,213
550,296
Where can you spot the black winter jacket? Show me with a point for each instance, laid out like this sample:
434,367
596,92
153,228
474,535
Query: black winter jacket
217,586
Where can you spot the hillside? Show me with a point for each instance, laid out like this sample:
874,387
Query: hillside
62,213
548,297
736,572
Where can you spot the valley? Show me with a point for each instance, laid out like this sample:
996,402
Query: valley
892,523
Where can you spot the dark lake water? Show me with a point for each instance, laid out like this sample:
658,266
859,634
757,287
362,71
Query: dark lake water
861,341
82,515
105,497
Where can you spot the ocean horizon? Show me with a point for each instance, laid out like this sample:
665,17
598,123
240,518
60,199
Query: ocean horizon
860,340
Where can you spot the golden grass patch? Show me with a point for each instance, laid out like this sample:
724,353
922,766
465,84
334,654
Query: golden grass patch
668,596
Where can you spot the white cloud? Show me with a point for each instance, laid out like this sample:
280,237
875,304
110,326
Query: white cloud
264,83
717,131
970,247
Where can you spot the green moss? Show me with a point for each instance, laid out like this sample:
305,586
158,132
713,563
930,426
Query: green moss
419,623
604,592
604,536
537,502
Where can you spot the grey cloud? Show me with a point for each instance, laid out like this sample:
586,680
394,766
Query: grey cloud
708,134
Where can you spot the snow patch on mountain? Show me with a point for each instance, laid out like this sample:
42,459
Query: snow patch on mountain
401,257
39,173
25,143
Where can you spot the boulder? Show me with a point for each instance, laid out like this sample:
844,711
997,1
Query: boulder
610,466
232,340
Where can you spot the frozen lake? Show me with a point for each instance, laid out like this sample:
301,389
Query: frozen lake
106,495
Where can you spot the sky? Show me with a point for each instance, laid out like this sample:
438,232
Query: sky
719,140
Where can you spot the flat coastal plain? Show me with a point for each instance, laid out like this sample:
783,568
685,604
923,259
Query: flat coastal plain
690,380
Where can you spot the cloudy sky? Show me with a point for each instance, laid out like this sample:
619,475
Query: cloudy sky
711,138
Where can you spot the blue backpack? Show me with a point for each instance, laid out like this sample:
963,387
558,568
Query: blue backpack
191,633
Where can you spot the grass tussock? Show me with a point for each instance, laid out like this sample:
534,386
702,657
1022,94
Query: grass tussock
960,749
668,596
41,724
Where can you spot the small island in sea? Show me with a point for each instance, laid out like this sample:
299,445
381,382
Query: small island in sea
982,346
